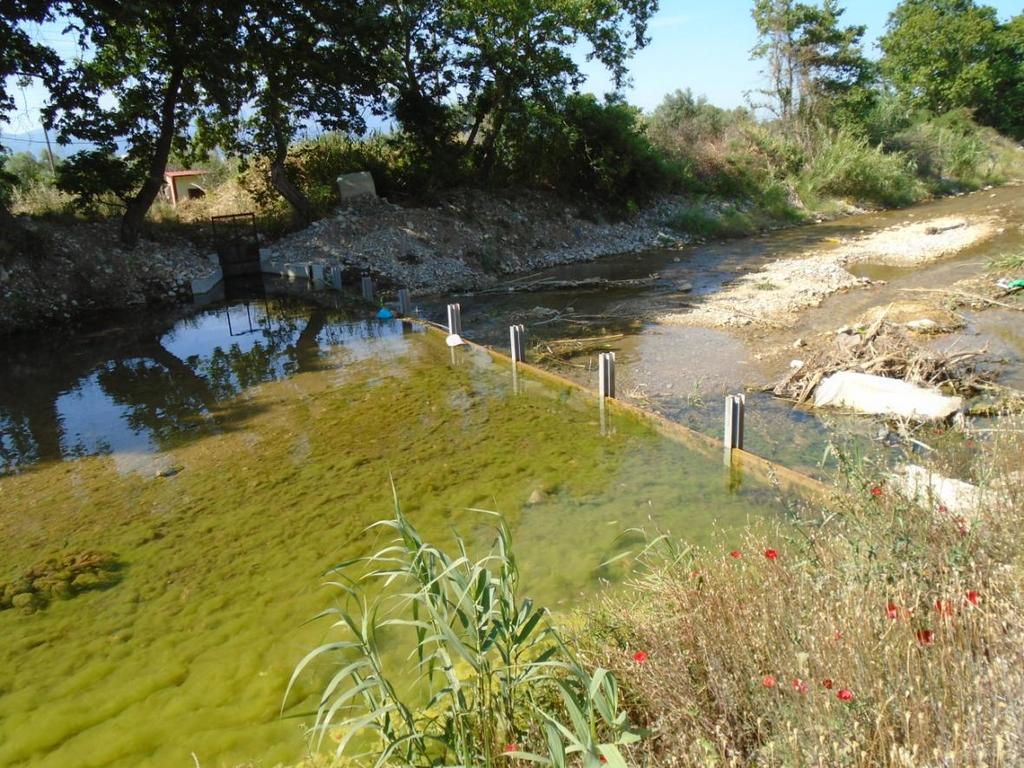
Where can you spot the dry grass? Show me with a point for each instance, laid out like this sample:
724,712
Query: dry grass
872,595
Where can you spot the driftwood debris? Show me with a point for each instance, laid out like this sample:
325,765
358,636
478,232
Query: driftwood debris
563,350
582,284
883,349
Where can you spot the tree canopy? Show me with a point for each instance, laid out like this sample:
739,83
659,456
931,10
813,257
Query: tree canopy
946,54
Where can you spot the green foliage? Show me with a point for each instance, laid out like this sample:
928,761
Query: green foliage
847,166
947,54
99,180
588,149
812,63
492,667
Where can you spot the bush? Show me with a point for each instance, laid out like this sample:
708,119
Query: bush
846,166
588,149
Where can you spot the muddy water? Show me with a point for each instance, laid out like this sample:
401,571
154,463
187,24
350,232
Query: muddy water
229,458
685,372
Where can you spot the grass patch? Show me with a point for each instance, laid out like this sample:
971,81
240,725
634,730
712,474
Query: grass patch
1008,262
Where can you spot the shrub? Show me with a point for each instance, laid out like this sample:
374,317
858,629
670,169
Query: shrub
588,149
847,166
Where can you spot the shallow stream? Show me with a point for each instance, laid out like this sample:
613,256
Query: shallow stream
230,457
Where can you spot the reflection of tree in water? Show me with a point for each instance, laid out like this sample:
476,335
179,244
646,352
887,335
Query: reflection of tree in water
161,395
17,445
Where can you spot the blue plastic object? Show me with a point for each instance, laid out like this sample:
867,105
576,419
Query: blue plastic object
385,314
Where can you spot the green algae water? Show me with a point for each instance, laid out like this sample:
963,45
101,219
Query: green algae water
229,458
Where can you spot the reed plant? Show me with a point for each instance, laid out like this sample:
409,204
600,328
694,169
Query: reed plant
878,631
493,680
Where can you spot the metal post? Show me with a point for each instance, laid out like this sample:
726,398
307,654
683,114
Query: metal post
455,319
735,411
515,334
367,284
404,303
309,272
336,276
606,375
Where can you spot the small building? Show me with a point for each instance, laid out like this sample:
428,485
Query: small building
183,185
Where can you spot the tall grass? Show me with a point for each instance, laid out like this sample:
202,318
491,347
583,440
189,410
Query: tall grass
846,166
494,680
880,633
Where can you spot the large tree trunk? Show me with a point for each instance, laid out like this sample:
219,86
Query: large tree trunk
280,181
137,208
278,169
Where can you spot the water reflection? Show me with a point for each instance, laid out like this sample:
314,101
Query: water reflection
142,386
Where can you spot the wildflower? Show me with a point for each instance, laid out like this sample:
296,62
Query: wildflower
924,636
972,597
603,759
845,694
892,611
640,657
511,748
876,491
799,685
771,554
838,635
944,607
943,510
735,554
768,681
827,683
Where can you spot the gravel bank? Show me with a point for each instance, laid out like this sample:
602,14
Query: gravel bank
60,272
470,239
775,296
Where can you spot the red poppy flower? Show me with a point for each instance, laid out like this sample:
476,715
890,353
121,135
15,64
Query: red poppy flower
827,683
972,597
511,748
838,635
924,636
844,694
892,611
640,657
799,685
943,510
735,554
944,607
876,491
771,554
768,681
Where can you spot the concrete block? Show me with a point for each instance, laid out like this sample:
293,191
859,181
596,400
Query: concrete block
356,185
317,272
201,285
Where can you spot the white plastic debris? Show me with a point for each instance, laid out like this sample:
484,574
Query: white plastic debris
878,395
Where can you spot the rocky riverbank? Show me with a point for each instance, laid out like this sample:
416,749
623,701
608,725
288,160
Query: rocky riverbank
58,272
469,239
54,272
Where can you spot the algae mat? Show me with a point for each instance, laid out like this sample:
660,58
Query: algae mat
221,557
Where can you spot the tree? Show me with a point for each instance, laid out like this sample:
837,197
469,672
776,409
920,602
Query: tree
813,63
153,65
20,57
942,55
301,62
459,69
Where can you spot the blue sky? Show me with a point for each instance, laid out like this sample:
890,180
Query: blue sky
704,46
